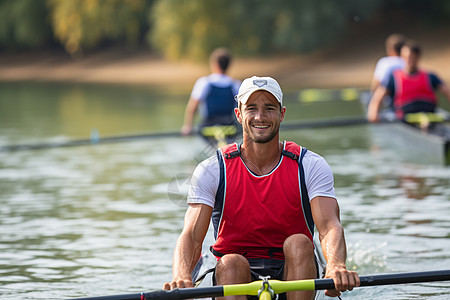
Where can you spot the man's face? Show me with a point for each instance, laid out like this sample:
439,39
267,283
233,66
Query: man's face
260,117
411,59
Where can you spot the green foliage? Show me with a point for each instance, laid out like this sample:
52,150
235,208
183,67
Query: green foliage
85,24
193,28
23,24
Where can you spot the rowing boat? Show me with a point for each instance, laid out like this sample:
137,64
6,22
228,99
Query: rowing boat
422,145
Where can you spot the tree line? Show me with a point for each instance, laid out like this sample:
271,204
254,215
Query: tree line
192,28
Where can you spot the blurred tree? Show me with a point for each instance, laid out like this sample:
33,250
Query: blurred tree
85,24
23,24
193,28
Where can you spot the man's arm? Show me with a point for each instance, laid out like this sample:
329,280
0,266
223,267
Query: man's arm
189,115
374,85
189,245
375,102
325,211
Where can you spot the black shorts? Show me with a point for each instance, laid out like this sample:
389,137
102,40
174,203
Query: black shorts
266,267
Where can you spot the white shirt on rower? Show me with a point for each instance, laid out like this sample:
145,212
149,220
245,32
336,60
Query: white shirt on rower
385,66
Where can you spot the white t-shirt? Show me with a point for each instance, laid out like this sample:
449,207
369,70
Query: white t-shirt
385,66
205,179
201,87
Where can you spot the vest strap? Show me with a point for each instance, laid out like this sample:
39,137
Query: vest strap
234,153
290,154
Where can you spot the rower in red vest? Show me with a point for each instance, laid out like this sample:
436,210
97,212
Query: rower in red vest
412,89
265,198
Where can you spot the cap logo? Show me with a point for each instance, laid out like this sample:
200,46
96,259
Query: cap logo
260,82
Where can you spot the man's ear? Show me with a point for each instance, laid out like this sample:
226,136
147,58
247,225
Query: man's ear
237,112
283,112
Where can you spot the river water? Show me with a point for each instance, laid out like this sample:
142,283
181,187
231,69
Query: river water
103,219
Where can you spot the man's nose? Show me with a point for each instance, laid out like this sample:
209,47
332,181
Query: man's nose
260,114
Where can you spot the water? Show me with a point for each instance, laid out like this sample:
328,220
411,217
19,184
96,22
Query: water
103,219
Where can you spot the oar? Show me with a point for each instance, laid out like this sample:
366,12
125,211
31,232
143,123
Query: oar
278,286
325,122
165,134
92,141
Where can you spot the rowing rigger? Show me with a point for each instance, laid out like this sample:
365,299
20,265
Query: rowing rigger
278,287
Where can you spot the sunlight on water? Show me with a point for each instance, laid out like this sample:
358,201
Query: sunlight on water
103,219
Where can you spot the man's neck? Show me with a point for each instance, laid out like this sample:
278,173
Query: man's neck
261,158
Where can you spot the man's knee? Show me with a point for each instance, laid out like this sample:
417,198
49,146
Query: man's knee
298,244
232,260
233,265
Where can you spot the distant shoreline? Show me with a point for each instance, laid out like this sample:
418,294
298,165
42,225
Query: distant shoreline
350,66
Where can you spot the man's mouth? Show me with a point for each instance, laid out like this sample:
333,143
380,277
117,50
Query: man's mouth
260,126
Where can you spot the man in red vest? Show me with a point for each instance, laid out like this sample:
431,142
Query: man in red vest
264,197
412,89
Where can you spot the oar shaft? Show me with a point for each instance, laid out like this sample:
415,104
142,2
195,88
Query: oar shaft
176,294
396,278
189,293
412,277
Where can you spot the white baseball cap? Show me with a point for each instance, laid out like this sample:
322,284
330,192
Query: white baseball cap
255,83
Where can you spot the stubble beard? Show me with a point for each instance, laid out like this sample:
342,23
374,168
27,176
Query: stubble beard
261,139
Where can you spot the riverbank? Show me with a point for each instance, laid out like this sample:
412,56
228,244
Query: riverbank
348,64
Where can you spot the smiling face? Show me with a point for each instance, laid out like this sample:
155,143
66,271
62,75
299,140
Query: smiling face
260,117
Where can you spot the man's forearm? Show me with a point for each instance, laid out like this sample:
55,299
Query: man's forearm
334,247
186,256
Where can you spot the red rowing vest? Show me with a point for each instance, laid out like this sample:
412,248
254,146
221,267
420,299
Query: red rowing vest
253,215
410,88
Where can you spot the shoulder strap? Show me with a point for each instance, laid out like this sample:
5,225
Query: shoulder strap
220,195
236,153
289,154
291,150
304,193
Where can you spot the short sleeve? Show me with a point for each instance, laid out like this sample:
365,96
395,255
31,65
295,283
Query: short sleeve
435,81
204,182
319,178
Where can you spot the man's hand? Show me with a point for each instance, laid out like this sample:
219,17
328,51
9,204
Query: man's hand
343,280
179,283
186,130
372,117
